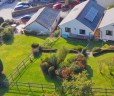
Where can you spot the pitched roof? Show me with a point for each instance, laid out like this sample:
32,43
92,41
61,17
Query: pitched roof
45,16
108,18
81,10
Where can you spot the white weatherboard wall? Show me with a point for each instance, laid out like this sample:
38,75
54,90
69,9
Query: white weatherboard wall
75,26
37,27
105,3
103,35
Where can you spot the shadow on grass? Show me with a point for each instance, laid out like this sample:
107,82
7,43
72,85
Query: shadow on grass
77,42
3,87
90,71
9,42
41,37
55,80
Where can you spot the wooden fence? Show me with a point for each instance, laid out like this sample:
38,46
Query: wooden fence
16,72
35,88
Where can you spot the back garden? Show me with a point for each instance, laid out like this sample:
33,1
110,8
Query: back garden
98,67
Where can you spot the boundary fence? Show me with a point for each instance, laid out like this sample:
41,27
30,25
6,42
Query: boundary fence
15,73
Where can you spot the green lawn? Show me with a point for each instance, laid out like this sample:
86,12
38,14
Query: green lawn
14,52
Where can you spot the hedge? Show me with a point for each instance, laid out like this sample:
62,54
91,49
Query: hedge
102,51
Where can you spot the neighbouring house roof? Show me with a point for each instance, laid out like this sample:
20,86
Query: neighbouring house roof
81,10
108,18
45,17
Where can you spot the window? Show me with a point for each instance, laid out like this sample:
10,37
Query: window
82,31
67,29
108,32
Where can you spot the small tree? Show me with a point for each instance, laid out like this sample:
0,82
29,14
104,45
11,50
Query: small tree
51,72
80,85
1,66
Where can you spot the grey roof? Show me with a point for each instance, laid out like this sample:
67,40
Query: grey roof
45,17
80,12
108,18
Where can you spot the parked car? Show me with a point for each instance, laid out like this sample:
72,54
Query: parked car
25,18
23,3
58,5
20,7
10,1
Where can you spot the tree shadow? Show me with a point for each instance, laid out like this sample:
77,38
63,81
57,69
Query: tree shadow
57,82
90,71
3,85
77,41
10,41
41,37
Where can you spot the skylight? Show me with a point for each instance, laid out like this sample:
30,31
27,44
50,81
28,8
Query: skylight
91,14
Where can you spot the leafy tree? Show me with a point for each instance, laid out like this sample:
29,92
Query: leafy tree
1,66
79,85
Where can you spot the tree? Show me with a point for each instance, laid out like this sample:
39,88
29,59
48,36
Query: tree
79,85
1,20
1,66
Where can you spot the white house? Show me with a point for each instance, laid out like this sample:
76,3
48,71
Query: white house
82,21
105,3
44,21
107,26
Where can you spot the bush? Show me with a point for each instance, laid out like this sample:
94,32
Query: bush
1,20
106,46
110,6
96,49
34,45
51,71
61,54
9,22
44,66
30,32
75,68
79,48
7,35
1,66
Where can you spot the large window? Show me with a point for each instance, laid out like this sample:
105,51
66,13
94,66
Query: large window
108,32
67,29
82,31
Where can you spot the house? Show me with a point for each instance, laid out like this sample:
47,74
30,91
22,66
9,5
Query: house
82,21
44,21
105,3
2,1
107,26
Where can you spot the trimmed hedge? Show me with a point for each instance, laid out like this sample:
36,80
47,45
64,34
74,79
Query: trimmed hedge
102,51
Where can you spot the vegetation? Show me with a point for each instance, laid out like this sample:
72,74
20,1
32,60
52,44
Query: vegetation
1,66
1,20
110,6
14,52
79,85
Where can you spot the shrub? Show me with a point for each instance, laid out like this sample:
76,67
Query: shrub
106,46
1,66
44,66
9,22
34,45
96,49
66,73
51,71
1,20
7,35
75,68
30,32
61,54
53,60
110,6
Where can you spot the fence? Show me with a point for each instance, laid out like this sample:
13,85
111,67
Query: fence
15,73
